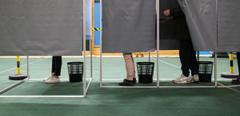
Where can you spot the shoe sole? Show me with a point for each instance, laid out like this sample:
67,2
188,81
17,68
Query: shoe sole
52,82
180,82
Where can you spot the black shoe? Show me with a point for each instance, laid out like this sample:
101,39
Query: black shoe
134,80
127,83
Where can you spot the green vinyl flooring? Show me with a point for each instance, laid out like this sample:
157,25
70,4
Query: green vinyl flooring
114,101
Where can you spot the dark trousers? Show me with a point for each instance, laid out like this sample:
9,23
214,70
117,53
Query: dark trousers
188,58
238,61
56,65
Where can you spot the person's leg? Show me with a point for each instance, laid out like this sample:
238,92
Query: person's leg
53,64
193,64
130,69
57,65
184,57
130,66
56,70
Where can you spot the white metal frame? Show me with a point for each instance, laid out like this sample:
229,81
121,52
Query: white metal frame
86,83
216,84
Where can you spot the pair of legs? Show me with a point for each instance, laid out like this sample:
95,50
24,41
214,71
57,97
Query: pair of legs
130,69
189,63
56,70
188,58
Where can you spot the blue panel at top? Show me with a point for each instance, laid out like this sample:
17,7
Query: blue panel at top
97,23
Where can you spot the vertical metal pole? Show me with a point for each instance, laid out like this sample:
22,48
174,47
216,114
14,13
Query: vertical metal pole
215,70
149,56
158,39
93,36
28,68
101,73
215,52
93,23
84,48
91,60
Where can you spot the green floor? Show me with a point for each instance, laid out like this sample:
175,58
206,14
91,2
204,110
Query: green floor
114,102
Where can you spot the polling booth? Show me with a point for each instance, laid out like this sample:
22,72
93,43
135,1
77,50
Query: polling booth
220,17
128,26
44,28
139,26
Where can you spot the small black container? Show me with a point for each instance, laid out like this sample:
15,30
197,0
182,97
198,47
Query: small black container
145,72
75,71
205,71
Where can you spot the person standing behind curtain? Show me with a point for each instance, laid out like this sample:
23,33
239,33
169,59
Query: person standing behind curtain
187,53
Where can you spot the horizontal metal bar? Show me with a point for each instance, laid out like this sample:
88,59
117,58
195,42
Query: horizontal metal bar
130,87
233,86
114,80
62,80
160,87
41,96
164,87
230,86
186,87
47,96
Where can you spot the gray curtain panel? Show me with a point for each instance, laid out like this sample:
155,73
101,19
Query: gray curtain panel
41,27
213,26
129,25
201,18
229,25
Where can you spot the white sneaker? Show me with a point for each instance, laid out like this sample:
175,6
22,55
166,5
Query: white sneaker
52,80
182,80
195,78
51,76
